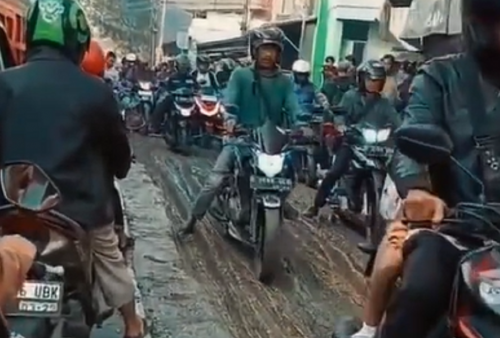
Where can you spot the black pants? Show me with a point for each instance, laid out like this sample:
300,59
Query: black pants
162,108
424,296
339,167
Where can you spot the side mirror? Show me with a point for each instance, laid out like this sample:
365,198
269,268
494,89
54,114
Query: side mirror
28,187
425,143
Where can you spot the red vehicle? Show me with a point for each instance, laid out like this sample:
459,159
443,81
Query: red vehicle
211,120
13,26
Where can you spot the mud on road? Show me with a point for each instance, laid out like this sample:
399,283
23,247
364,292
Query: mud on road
321,279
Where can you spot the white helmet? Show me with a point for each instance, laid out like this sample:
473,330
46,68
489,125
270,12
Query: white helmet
131,57
301,66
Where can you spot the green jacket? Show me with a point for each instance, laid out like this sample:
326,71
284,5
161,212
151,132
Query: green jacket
243,91
381,114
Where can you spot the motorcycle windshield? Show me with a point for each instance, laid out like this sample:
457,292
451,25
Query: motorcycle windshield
271,138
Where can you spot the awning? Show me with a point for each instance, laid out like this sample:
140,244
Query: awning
234,45
432,17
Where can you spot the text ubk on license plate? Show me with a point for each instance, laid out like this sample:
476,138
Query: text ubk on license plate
45,291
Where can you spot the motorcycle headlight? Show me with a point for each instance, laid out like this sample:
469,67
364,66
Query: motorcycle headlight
375,136
145,85
490,293
270,165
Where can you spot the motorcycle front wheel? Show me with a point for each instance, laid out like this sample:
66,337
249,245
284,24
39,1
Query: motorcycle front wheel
375,226
267,259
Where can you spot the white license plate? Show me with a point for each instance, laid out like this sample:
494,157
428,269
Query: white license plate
145,93
38,299
41,291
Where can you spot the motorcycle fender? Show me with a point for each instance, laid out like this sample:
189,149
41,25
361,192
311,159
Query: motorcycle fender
30,327
270,201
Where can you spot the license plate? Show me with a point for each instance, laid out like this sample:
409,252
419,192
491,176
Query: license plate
270,183
38,299
378,150
145,93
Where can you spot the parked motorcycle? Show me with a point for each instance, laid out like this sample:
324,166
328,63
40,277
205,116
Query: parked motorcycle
211,120
57,297
360,190
473,310
182,124
251,206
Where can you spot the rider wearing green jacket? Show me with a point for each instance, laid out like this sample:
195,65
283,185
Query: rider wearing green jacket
260,92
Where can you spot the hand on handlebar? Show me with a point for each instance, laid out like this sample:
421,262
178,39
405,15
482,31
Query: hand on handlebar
420,206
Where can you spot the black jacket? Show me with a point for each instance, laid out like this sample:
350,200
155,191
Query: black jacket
439,97
69,124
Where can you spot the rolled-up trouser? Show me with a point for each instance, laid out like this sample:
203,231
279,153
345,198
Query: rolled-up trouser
114,282
219,176
339,167
430,264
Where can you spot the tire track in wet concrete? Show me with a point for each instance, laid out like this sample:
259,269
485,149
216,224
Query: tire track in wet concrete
322,275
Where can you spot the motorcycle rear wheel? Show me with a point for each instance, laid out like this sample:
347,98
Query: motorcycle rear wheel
267,257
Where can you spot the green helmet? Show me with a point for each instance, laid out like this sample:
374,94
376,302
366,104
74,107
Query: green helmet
60,24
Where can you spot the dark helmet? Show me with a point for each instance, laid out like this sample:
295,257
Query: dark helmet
182,62
203,59
479,18
59,24
370,70
266,36
227,65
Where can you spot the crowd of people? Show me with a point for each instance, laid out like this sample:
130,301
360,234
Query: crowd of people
67,121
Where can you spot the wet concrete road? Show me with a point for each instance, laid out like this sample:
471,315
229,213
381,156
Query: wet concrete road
205,287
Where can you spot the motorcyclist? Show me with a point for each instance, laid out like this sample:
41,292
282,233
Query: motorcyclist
182,78
261,92
129,67
111,73
304,88
458,93
203,75
335,88
363,105
225,68
78,140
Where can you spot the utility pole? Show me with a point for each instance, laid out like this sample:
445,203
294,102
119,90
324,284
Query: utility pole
154,30
246,17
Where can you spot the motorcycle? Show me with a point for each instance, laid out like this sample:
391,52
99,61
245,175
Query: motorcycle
473,310
251,206
312,151
146,95
361,188
56,300
182,122
131,111
211,119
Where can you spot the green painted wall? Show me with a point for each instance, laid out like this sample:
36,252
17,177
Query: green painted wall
320,37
